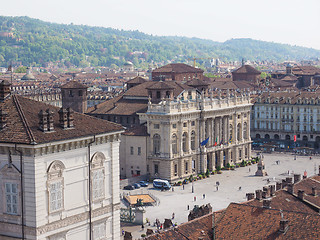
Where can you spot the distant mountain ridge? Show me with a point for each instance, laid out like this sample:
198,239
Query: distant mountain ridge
29,41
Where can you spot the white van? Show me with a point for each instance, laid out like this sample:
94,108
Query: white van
161,184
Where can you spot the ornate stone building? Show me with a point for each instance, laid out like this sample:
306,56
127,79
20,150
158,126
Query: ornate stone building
278,116
59,172
194,132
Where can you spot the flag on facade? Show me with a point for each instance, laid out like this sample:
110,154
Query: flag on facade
230,140
295,138
204,142
216,142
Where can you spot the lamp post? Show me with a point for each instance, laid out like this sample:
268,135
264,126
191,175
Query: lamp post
192,188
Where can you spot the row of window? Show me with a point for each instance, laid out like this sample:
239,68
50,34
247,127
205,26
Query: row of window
132,150
174,125
55,186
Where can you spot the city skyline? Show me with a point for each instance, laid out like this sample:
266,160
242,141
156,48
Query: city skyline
285,21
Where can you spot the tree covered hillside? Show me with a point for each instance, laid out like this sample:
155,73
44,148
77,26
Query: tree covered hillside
34,42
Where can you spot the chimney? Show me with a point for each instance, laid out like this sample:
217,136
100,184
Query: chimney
259,194
250,196
300,194
63,118
314,191
3,119
272,190
284,183
290,188
5,90
278,186
50,119
264,194
296,178
289,180
266,203
267,190
284,223
70,117
43,121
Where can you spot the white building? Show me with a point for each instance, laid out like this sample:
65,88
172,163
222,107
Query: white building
59,172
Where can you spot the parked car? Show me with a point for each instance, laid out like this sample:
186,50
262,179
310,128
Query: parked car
143,184
136,185
129,187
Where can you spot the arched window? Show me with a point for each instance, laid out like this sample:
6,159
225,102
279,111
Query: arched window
97,176
267,136
174,144
55,185
184,142
193,140
238,131
245,131
156,143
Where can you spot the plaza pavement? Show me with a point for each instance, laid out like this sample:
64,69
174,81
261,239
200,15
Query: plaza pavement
177,201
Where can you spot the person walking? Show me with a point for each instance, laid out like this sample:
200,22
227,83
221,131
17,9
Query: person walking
172,216
204,196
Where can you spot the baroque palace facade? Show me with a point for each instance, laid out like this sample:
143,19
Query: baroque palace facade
193,135
168,120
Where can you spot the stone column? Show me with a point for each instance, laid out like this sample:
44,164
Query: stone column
220,129
213,157
235,129
228,130
216,132
189,136
179,136
241,130
221,158
249,127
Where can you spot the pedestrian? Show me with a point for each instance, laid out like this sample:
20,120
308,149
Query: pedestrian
217,187
183,187
204,196
310,158
142,227
188,207
161,226
240,188
172,216
195,198
122,232
249,169
172,189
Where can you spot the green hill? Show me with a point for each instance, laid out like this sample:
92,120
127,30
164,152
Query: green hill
28,41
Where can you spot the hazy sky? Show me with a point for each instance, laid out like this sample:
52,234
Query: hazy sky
295,22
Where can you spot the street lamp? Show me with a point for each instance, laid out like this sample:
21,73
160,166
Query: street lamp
192,188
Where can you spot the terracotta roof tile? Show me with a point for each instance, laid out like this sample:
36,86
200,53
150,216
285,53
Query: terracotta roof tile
177,68
23,123
241,221
246,69
73,84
